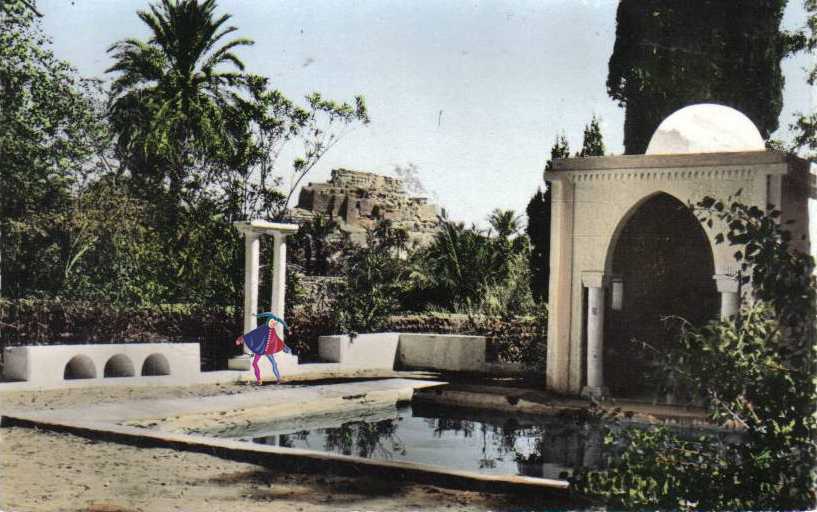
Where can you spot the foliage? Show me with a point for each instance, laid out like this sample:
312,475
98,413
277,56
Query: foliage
504,222
512,296
172,104
669,55
201,139
452,271
55,321
756,372
538,231
560,149
316,245
592,141
409,175
50,132
375,277
325,124
467,269
101,247
805,125
17,8
521,339
310,315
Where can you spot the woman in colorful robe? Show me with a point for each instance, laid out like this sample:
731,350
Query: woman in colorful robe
264,341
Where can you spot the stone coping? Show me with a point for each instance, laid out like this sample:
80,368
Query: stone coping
104,422
295,459
673,161
542,403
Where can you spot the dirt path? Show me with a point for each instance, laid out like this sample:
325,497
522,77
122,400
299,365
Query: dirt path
44,471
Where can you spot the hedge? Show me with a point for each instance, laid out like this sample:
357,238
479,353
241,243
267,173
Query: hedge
53,321
57,322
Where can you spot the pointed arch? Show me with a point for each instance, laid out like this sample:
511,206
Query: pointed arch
665,260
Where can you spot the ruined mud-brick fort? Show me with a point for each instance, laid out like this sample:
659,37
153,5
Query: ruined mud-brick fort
356,200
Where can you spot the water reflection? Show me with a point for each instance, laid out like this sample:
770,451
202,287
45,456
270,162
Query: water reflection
462,439
377,440
466,440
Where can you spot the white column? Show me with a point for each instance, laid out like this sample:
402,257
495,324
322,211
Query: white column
730,297
594,281
252,245
279,276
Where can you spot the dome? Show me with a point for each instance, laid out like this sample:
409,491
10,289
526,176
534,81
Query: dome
705,128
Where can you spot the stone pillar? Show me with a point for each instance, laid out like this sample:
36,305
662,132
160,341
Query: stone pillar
594,282
252,246
728,287
279,275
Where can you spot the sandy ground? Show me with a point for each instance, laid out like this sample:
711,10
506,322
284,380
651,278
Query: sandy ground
44,471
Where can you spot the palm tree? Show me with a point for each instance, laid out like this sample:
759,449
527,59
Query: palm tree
457,266
505,222
173,101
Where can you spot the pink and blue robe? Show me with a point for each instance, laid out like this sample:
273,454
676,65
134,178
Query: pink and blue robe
264,341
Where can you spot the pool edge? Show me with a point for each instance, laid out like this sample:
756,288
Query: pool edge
294,459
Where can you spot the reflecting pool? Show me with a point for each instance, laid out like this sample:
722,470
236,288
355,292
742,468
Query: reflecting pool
468,440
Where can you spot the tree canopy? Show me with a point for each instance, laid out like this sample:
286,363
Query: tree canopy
670,54
175,100
50,132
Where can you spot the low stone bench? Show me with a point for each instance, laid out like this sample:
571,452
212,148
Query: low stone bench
451,352
375,350
54,364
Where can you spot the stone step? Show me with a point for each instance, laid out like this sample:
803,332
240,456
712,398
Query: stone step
285,362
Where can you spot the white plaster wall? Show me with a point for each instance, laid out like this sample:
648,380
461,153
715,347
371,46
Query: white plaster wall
442,352
420,351
45,364
374,350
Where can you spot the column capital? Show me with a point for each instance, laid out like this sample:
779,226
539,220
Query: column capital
594,279
726,283
281,235
259,227
246,231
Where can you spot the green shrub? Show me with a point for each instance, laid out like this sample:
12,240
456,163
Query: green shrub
54,321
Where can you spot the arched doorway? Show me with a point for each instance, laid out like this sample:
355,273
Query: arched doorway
665,261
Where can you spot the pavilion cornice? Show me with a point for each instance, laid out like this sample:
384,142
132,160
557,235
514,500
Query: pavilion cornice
729,159
667,174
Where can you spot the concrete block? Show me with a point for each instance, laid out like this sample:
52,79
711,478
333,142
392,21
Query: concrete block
442,352
51,365
287,363
375,350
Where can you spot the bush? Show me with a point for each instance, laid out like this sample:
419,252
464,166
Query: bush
510,340
54,321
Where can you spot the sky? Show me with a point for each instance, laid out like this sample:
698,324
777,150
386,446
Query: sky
473,93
